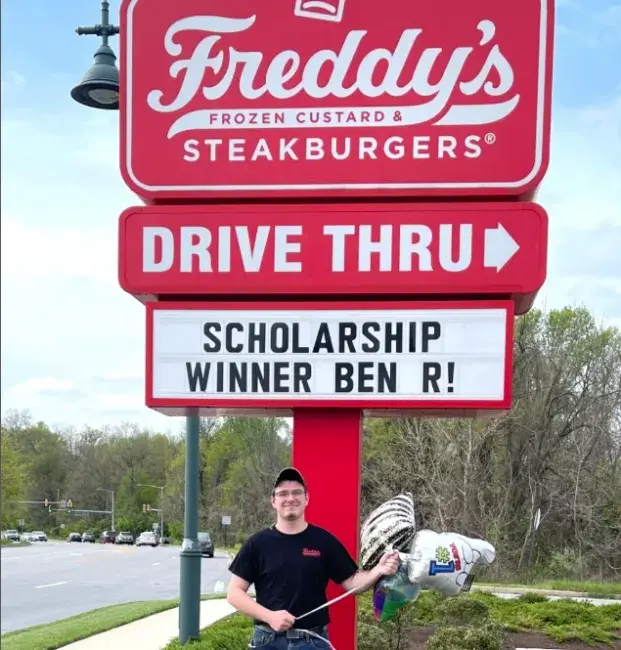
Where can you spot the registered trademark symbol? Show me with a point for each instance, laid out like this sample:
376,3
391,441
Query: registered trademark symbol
490,138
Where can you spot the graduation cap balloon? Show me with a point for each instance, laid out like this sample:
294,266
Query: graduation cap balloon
391,526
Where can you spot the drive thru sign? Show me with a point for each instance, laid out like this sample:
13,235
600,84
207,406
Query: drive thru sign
382,249
345,97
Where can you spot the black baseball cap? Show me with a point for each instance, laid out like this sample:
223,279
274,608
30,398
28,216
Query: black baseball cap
289,474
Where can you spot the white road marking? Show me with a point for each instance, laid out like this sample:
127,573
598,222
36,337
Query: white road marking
78,554
155,563
53,584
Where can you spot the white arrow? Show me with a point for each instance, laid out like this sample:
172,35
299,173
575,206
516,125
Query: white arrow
500,247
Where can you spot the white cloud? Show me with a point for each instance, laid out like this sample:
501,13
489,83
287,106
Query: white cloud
582,194
13,78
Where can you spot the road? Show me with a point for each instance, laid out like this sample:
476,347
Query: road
49,581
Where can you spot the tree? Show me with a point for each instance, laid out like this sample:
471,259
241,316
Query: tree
12,481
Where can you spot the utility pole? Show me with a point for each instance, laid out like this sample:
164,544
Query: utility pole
190,587
111,492
161,489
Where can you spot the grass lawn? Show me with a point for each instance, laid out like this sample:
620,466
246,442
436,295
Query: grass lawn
8,542
594,589
50,636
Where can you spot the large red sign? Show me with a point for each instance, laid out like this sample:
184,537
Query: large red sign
334,98
418,249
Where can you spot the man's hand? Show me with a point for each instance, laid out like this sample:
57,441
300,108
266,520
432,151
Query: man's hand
389,563
281,620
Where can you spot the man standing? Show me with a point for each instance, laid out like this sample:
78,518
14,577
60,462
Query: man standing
290,564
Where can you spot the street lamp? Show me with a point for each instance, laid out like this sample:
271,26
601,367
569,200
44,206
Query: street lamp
161,489
99,87
112,493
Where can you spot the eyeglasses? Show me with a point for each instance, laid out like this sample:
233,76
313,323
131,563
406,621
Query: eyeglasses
285,493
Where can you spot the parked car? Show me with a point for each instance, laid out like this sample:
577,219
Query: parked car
147,539
108,537
124,537
13,535
39,536
74,537
206,544
88,537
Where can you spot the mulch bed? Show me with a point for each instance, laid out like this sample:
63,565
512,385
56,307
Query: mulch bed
420,636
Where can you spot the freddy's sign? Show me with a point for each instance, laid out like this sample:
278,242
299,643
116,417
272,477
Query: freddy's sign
343,97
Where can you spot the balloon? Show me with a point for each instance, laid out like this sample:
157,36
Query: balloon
392,593
390,526
445,561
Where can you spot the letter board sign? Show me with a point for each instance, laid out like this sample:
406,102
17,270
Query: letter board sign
350,355
293,98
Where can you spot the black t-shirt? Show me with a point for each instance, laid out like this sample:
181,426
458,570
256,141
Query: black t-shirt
291,572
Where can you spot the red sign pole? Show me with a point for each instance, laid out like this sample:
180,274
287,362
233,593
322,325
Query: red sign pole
327,449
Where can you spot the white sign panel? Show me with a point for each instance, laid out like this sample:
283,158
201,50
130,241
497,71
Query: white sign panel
226,520
384,356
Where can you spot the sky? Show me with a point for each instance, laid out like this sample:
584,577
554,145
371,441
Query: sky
73,341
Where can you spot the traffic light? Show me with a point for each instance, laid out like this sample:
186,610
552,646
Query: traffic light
47,503
49,509
148,507
69,505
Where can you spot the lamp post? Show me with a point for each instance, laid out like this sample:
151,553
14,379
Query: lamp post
190,556
112,493
99,87
161,489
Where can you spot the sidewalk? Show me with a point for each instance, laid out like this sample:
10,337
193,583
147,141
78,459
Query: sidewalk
501,590
153,632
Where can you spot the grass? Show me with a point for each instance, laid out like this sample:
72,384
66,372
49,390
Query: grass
231,633
50,636
8,542
594,589
562,620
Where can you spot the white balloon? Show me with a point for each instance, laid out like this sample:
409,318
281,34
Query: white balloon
443,561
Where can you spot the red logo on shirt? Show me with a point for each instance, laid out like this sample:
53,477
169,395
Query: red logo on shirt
311,552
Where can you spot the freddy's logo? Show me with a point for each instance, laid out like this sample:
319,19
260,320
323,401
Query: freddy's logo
442,94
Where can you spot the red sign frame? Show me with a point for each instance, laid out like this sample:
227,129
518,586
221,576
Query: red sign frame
445,408
487,134
522,274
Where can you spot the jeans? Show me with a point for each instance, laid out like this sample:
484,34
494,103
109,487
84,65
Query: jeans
266,639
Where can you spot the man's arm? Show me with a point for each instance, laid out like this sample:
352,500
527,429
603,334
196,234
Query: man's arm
363,580
237,596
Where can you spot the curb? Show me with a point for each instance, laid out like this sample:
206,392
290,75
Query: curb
544,592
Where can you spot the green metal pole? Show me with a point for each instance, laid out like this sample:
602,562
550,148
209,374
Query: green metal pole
190,588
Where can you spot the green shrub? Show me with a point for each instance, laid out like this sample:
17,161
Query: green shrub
463,611
532,597
485,637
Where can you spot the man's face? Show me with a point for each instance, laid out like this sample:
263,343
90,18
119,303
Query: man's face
290,500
